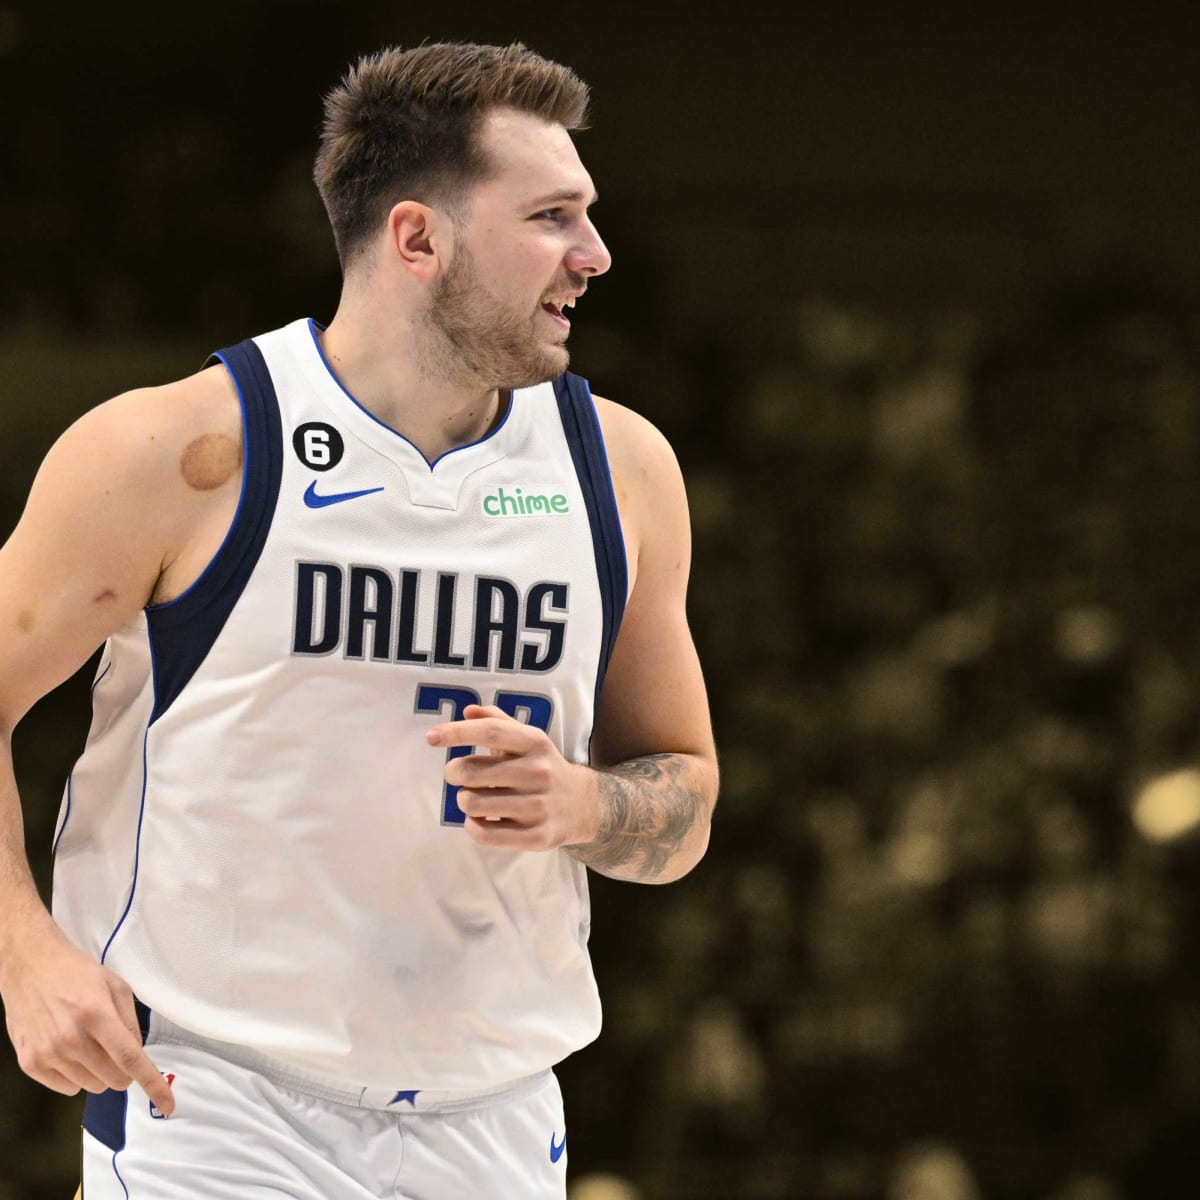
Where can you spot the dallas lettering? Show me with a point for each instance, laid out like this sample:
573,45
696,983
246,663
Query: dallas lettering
371,613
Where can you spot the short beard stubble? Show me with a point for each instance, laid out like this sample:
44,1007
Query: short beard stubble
498,348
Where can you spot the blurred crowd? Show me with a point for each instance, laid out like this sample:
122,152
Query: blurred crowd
945,944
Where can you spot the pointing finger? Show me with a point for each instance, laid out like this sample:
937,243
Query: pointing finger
494,733
132,1060
472,713
125,1049
151,1080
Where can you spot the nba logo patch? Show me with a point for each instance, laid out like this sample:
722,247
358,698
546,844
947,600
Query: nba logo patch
156,1112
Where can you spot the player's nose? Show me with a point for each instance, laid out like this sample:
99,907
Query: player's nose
590,256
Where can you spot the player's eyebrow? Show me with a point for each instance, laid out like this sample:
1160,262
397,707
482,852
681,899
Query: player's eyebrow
567,196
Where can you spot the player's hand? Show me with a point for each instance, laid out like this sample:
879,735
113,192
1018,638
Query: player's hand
72,1022
522,794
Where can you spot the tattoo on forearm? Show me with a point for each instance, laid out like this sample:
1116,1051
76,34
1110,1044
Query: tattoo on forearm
649,806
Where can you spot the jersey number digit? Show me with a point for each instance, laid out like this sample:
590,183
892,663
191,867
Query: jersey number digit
450,702
316,447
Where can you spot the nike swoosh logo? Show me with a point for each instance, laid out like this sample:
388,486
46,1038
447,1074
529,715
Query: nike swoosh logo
314,501
556,1152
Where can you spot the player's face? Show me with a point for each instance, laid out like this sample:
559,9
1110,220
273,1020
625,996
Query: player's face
527,249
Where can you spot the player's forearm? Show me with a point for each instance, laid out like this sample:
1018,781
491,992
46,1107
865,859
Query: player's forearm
21,906
655,814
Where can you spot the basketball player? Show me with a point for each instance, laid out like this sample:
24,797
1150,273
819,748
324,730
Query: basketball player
394,649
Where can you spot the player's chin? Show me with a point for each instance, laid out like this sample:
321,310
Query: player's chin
549,364
558,359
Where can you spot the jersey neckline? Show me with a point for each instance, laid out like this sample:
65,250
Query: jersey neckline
386,438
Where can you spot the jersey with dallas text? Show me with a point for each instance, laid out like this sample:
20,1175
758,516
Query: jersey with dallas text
257,836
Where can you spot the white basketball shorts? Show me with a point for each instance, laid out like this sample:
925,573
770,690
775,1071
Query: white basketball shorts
238,1135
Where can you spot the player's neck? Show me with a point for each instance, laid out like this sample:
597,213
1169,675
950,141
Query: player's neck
384,368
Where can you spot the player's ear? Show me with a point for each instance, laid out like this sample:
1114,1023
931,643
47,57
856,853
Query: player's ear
415,236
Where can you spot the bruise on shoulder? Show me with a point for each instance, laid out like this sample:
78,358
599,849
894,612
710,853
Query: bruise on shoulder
26,620
210,460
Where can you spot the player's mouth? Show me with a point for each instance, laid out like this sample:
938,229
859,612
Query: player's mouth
556,307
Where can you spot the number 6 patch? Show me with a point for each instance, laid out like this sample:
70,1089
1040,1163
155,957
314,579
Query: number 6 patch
317,445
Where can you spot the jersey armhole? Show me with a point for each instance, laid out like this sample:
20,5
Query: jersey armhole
183,630
581,424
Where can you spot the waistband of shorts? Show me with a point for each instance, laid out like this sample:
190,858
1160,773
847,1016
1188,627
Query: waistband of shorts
398,1099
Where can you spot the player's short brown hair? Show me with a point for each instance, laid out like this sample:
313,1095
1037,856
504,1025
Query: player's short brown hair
403,125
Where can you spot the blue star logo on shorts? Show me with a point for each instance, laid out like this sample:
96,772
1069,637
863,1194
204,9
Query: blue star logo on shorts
411,1097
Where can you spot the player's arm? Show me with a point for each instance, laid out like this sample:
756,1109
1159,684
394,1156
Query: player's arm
642,810
653,743
108,514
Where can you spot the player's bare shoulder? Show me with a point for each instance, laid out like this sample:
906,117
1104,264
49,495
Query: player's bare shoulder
648,484
197,465
205,422
131,500
162,464
190,430
175,438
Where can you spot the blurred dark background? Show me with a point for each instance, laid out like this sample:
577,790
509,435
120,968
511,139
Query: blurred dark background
916,295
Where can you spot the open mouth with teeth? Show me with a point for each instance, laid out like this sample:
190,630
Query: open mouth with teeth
555,308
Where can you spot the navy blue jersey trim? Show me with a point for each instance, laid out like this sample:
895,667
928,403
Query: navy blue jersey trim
183,630
586,442
137,847
66,817
104,1118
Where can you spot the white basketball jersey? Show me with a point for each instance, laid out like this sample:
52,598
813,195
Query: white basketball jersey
257,836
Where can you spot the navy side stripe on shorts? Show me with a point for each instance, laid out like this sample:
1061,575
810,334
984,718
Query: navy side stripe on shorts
104,1118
